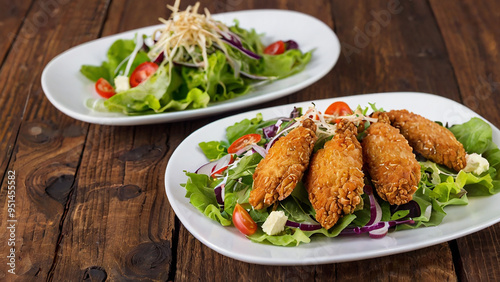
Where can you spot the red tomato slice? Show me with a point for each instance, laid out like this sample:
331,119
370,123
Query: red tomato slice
104,88
275,48
220,171
338,109
243,141
243,221
142,72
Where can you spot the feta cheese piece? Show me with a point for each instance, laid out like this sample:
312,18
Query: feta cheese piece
476,164
275,223
122,83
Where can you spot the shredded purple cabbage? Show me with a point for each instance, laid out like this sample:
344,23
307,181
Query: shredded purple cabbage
218,195
159,59
369,228
270,131
145,47
291,44
303,226
295,113
233,40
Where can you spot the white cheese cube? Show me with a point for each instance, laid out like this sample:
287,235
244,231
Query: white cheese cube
275,223
122,83
476,164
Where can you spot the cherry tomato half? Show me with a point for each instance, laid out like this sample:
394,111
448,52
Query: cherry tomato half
142,72
243,141
275,48
104,88
243,221
338,109
220,171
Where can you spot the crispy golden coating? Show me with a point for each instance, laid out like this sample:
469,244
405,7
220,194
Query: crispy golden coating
433,141
382,117
335,177
278,173
391,163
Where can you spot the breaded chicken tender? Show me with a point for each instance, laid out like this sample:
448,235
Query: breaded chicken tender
433,141
278,173
390,161
334,180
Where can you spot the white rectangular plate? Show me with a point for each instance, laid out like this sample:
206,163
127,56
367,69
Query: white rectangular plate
480,213
67,89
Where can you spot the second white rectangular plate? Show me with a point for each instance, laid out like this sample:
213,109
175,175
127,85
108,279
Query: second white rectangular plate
480,213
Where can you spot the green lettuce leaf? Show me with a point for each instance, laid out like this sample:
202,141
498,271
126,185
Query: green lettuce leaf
246,126
291,237
158,93
214,150
117,53
283,65
144,97
219,80
200,191
476,136
250,39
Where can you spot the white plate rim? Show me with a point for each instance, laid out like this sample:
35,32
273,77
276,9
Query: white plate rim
241,102
389,244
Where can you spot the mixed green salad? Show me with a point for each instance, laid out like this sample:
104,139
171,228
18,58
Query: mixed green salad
220,189
192,61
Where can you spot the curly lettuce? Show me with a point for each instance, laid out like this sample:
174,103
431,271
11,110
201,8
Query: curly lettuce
439,187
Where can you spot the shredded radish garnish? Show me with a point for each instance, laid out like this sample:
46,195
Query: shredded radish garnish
186,32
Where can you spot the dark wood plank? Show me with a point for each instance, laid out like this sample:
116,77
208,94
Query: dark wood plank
391,46
48,144
120,222
11,19
91,201
469,30
123,15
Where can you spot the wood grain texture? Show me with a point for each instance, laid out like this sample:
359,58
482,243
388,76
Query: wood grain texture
91,203
121,170
391,46
48,147
11,19
469,30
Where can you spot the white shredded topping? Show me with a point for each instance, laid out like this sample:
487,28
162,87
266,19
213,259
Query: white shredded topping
186,34
326,125
138,46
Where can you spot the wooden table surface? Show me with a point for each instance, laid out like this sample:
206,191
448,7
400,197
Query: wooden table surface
90,202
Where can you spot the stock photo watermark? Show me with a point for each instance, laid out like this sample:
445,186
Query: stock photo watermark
482,92
11,221
363,36
32,25
227,6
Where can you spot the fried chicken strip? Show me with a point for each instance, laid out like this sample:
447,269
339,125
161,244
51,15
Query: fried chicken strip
335,178
278,173
433,141
391,163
